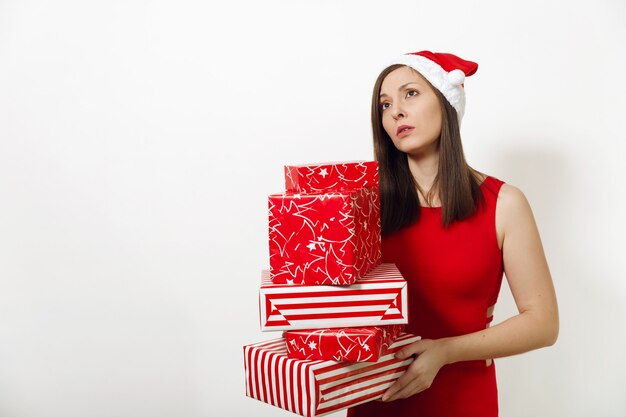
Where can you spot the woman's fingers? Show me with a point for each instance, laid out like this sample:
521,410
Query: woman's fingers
411,382
414,348
410,375
397,386
413,387
419,375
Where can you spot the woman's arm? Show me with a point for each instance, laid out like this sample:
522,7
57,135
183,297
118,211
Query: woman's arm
528,275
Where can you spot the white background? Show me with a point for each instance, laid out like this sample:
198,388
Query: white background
139,141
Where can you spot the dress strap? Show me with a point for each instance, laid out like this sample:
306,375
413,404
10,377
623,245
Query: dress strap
492,185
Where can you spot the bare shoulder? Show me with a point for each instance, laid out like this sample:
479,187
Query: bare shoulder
512,203
513,211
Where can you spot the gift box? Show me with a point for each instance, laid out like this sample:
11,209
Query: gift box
316,388
378,298
324,238
352,344
331,176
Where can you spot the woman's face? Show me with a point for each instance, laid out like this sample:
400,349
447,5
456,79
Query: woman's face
410,111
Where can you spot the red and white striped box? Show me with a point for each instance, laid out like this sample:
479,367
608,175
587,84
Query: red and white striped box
348,344
331,176
325,238
317,388
378,298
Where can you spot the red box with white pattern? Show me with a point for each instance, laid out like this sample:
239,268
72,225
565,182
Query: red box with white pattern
317,388
352,344
331,176
376,299
324,238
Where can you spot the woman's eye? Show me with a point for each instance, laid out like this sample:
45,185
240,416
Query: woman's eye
411,91
384,106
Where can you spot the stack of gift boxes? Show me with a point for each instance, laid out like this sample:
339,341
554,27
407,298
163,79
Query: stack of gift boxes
341,311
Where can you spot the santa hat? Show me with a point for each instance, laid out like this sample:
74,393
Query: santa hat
446,72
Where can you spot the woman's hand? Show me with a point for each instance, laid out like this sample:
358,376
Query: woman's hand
420,375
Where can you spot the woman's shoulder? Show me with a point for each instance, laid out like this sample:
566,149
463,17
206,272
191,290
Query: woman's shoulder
488,183
513,212
512,203
509,197
512,207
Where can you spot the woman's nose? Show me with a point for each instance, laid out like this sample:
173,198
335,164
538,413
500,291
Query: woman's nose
397,112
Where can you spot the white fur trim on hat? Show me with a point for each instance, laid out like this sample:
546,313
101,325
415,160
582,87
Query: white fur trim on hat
448,83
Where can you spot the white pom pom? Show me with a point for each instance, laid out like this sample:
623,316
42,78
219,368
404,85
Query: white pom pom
456,77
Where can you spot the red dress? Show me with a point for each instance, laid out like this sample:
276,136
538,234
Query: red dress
454,276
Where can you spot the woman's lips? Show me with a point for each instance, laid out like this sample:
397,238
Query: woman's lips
405,132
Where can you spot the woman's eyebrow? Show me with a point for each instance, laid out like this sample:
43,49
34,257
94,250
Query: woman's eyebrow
407,84
400,88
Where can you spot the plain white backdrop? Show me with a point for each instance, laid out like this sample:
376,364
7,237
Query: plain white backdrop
139,141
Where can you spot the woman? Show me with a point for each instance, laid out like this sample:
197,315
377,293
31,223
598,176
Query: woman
452,231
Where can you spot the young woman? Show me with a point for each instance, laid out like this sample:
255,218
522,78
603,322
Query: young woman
452,231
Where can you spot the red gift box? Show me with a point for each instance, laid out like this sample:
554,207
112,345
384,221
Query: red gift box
316,388
352,344
378,298
331,176
324,238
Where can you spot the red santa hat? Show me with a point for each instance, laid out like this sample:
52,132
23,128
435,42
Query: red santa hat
446,72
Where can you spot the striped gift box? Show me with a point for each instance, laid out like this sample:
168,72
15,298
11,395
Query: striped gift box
378,298
316,388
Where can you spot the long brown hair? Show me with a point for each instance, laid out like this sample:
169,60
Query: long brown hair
459,190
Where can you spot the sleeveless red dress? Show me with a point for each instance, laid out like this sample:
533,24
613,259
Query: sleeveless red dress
453,276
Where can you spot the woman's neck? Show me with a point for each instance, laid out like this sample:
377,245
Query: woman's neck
424,169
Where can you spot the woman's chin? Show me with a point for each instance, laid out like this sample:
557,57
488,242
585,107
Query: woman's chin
408,145
417,149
